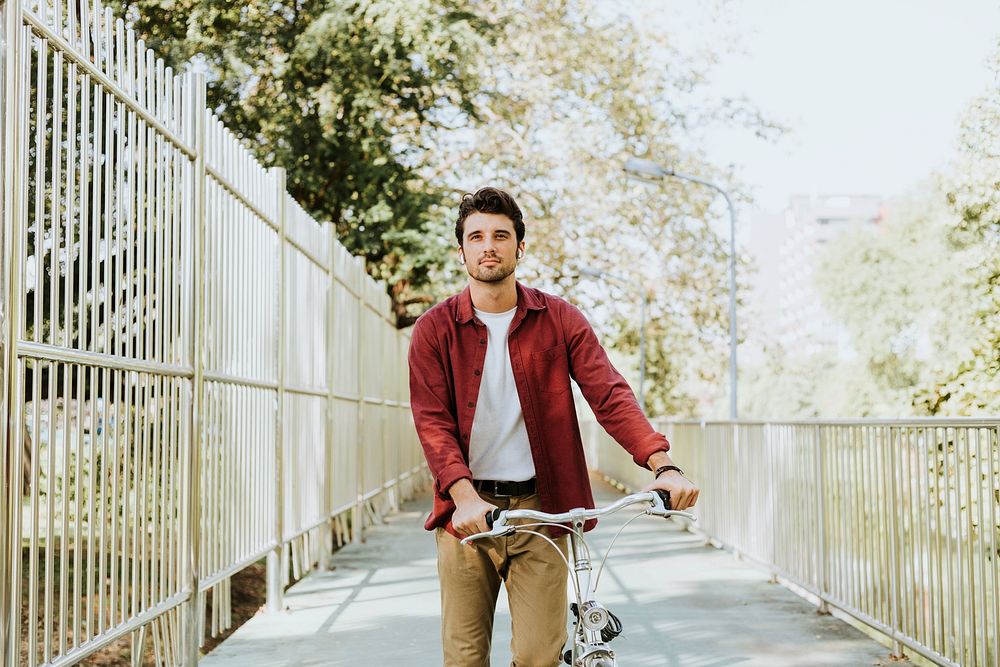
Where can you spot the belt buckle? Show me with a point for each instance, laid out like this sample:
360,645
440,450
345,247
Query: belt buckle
496,491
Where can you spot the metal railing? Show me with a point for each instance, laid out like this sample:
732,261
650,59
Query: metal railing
895,523
195,373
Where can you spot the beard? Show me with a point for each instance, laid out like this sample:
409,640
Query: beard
491,274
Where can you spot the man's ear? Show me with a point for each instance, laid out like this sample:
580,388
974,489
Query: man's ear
461,255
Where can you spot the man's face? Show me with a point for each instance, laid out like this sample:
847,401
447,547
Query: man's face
490,247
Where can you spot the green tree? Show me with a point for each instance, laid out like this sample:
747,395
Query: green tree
348,96
972,386
901,289
569,93
384,112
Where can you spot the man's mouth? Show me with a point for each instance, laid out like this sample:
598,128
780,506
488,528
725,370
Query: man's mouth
489,259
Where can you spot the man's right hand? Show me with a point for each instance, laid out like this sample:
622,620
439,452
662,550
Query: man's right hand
470,510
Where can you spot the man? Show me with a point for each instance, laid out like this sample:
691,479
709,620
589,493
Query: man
490,392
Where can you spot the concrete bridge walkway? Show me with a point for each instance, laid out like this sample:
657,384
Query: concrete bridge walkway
681,603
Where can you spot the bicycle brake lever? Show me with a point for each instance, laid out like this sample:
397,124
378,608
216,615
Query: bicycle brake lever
663,508
495,529
498,531
664,498
666,514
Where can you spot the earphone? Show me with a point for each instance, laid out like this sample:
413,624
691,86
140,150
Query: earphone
520,254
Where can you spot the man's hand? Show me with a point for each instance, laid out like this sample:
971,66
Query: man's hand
470,510
683,493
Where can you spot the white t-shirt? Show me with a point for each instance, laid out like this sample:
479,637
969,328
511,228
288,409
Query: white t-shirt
498,445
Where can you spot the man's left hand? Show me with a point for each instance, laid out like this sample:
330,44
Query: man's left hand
683,492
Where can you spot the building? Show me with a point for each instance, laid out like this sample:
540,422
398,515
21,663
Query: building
785,249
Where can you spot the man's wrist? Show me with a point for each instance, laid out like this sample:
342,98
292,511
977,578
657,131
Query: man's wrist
658,459
462,490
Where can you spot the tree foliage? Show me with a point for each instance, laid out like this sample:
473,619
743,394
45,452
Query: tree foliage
347,96
972,386
901,290
571,93
919,296
385,111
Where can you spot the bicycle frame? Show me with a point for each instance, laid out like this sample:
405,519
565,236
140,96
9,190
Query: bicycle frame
592,618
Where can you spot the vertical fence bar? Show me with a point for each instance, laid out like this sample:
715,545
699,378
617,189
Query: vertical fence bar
326,535
822,564
275,573
358,515
6,477
992,473
978,484
192,634
896,541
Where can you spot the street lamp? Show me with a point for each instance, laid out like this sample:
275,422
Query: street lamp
651,171
603,275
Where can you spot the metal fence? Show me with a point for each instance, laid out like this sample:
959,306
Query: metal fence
896,523
195,373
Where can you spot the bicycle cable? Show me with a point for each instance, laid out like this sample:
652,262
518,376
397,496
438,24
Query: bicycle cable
612,629
579,534
555,546
600,570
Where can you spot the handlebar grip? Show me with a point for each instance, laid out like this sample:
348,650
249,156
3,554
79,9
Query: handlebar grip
665,497
492,516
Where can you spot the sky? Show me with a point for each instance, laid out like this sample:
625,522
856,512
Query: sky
871,91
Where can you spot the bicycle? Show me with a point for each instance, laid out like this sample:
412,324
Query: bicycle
595,625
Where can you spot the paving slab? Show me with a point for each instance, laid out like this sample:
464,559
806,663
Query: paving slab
681,603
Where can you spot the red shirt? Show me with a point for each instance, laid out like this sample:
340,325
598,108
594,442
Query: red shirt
549,342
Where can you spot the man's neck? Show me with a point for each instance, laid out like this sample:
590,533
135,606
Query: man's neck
494,297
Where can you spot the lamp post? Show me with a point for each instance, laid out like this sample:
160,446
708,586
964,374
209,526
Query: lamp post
649,170
604,275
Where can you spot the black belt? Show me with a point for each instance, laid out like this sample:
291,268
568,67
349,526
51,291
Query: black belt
498,488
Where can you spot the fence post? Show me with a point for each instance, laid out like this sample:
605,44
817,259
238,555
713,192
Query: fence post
383,422
10,253
358,516
895,541
822,562
276,567
192,634
772,519
326,535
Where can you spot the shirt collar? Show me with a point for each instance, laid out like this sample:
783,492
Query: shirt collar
527,299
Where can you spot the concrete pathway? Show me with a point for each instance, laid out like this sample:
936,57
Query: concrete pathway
681,604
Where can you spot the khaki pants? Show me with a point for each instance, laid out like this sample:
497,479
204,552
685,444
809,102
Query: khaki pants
535,577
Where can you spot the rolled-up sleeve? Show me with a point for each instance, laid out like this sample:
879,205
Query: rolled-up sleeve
607,392
431,405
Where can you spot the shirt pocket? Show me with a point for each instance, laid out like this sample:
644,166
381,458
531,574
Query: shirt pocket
551,368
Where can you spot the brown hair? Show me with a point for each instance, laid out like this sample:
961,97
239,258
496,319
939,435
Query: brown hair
489,200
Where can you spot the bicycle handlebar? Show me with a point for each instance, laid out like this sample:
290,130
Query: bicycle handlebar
659,506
